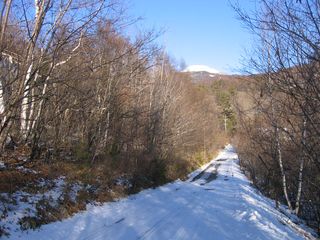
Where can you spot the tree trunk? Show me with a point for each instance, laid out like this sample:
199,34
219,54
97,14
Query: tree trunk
24,105
283,175
303,155
4,21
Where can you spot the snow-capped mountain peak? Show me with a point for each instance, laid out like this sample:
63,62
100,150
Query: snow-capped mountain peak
201,68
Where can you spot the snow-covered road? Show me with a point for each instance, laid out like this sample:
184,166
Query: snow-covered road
219,203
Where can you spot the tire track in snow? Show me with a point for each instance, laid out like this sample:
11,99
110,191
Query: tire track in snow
209,174
164,220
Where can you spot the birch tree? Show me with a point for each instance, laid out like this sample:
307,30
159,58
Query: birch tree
290,30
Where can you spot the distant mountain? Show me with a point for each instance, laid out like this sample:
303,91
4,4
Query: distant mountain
202,73
201,68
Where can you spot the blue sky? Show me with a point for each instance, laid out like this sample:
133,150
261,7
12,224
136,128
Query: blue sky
205,32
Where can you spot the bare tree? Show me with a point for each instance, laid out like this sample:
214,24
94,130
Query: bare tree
289,88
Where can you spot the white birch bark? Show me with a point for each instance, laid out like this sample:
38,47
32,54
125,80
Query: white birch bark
301,167
4,23
2,109
277,135
24,105
283,175
25,85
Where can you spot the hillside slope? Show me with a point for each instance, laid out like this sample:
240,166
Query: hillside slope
217,202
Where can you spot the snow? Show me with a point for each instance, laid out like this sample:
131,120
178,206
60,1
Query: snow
2,165
26,170
123,181
223,207
21,204
200,68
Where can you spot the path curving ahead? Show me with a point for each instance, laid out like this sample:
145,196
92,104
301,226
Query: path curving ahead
217,202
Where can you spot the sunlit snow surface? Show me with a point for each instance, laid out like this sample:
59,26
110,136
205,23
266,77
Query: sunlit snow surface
225,208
